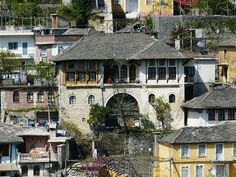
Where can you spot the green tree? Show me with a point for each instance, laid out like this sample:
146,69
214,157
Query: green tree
97,116
162,110
79,10
9,62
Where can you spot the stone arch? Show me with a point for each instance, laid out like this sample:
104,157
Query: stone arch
123,105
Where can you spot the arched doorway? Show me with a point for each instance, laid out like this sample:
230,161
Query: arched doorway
125,111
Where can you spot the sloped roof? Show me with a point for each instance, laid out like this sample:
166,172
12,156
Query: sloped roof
100,46
220,133
8,133
229,40
219,97
33,132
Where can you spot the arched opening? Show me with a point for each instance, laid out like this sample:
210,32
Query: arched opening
151,98
40,96
123,73
172,98
30,97
24,171
72,99
125,111
51,97
36,171
91,99
16,96
115,75
132,74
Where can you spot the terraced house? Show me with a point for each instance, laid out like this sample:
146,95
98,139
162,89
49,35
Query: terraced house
101,66
199,152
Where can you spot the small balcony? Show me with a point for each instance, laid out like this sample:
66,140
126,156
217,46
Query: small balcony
36,157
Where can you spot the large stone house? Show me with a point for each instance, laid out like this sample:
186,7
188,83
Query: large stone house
100,66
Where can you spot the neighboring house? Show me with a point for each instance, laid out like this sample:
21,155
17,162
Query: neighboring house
216,105
8,149
41,153
100,66
227,63
200,73
141,8
29,105
57,36
198,152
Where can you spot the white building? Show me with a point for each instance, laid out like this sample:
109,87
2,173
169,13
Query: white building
101,66
212,107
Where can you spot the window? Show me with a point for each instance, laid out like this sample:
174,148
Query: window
36,171
221,114
172,73
72,99
172,98
234,149
162,62
92,76
4,150
189,74
30,97
40,96
151,63
151,98
115,70
123,72
148,2
201,150
91,99
211,114
219,152
231,114
81,76
70,76
13,45
184,151
152,73
162,73
185,171
199,171
16,96
132,73
24,171
50,97
225,53
83,119
172,62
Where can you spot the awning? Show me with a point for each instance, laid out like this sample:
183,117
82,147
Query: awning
8,167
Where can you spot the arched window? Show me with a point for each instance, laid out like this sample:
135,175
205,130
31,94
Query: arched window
72,99
40,96
171,98
16,96
151,98
51,97
91,99
132,73
36,171
30,97
24,171
123,72
115,70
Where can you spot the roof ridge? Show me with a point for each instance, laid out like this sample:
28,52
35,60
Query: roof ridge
207,95
142,51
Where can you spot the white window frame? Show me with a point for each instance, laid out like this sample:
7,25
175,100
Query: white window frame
183,167
198,150
181,151
223,151
195,169
233,149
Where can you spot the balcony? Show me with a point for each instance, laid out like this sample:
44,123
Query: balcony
36,157
220,158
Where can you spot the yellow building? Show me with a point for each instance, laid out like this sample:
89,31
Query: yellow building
142,8
227,62
198,152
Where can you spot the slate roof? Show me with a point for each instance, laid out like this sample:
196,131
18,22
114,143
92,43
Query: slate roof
8,133
220,133
219,97
100,46
229,40
77,31
33,132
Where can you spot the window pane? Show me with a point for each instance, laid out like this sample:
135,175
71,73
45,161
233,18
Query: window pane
70,76
72,100
189,74
201,150
234,149
162,62
221,114
184,171
151,62
231,114
162,73
81,76
91,99
199,171
184,151
172,62
92,76
29,97
123,72
151,98
172,73
211,114
172,98
149,2
152,73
